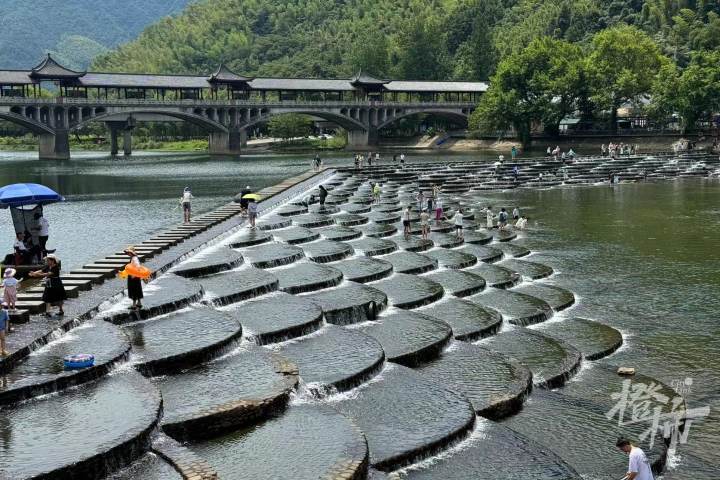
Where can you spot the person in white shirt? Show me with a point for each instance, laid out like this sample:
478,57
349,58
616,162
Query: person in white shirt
638,465
458,221
489,218
19,244
252,212
187,196
43,229
521,223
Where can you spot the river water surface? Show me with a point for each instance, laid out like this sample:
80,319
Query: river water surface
644,258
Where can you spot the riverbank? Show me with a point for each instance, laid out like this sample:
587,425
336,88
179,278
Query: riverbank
92,144
582,145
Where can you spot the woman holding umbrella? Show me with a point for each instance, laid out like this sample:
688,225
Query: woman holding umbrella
54,293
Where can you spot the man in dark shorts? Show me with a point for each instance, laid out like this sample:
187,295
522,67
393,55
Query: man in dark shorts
406,221
502,219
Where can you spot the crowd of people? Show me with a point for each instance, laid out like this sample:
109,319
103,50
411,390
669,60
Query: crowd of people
432,203
30,245
614,150
360,159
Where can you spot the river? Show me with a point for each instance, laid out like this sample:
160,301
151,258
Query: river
641,257
644,258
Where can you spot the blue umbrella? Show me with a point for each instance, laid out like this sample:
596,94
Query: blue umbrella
20,194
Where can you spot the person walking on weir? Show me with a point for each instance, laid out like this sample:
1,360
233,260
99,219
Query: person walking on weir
438,210
252,212
376,193
502,219
185,200
134,284
458,221
638,464
406,221
425,224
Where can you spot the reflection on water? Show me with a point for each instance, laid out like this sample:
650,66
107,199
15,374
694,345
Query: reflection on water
644,258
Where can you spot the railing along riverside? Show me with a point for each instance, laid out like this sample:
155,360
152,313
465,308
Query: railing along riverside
224,103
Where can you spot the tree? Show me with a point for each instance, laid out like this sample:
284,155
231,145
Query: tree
693,94
289,126
372,54
538,85
421,53
622,64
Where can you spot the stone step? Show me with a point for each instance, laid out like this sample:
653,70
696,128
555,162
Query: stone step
169,293
424,417
82,285
233,392
100,265
32,306
156,246
181,340
325,444
106,272
110,436
551,360
19,316
72,292
42,372
97,279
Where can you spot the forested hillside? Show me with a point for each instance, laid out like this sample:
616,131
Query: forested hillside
428,39
74,30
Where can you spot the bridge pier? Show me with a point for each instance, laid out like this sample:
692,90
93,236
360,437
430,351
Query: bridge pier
115,129
55,146
227,143
127,142
360,139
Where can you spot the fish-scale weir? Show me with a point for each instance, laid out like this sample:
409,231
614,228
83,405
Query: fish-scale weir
326,344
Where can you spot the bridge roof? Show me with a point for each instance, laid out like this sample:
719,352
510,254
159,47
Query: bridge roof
427,86
50,69
134,80
53,71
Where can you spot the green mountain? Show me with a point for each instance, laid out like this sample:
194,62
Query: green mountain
75,30
412,39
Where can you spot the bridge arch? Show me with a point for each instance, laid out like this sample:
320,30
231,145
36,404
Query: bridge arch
191,117
33,126
342,120
459,115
